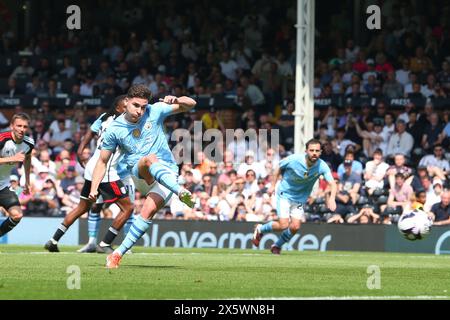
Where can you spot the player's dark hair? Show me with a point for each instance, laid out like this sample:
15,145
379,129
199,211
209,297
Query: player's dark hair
139,91
314,141
21,116
112,110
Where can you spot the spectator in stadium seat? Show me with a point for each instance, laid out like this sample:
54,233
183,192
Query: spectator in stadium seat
13,90
420,62
45,161
417,200
416,183
399,166
229,67
389,126
331,157
409,106
39,132
434,197
391,87
207,186
23,71
402,75
399,197
35,88
111,88
364,216
372,139
380,113
436,162
251,184
68,179
44,71
203,163
370,71
351,181
443,76
250,163
401,141
429,89
375,172
270,156
44,202
52,89
440,212
253,93
87,86
68,71
339,143
356,166
211,120
59,136
432,133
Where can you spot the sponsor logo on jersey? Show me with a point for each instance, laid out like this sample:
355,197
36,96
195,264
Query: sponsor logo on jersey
148,125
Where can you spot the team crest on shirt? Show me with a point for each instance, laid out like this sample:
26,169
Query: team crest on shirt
305,175
148,125
136,133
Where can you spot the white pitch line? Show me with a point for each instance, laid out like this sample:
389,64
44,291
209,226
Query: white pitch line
347,298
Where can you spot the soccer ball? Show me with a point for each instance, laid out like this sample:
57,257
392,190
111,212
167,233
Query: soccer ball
414,225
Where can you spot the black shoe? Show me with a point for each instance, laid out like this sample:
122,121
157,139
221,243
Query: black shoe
104,249
51,247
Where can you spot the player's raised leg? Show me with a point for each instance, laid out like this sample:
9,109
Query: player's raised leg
150,168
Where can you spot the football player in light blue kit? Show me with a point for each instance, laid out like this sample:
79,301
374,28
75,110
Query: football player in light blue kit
139,134
299,174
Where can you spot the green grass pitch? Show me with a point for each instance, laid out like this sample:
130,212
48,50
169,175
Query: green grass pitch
28,272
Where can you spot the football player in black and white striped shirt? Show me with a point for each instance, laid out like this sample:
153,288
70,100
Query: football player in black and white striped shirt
15,148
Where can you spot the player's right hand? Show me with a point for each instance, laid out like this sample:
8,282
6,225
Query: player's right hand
18,157
93,196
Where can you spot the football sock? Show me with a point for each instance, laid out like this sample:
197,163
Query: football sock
285,236
109,237
266,227
93,226
7,226
165,176
59,233
128,224
137,230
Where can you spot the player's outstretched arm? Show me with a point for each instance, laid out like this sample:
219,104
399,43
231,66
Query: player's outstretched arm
99,173
84,142
179,104
332,199
276,176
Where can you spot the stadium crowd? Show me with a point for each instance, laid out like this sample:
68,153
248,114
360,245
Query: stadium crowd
384,159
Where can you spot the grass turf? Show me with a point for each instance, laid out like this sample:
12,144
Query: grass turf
28,272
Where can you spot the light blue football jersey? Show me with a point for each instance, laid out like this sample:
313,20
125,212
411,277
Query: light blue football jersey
298,180
136,140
